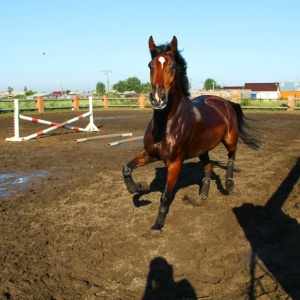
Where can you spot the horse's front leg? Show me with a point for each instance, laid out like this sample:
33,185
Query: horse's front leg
173,169
140,160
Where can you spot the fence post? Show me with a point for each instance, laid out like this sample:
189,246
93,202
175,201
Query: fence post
75,103
142,101
105,101
40,104
291,102
235,96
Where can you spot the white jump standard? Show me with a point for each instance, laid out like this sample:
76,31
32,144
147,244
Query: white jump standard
91,126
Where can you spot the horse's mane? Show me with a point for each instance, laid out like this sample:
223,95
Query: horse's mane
181,66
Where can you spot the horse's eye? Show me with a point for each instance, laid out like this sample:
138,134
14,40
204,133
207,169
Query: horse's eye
150,65
173,66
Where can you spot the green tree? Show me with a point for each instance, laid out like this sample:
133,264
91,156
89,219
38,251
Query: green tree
130,84
211,84
134,84
120,86
146,88
29,93
100,89
10,89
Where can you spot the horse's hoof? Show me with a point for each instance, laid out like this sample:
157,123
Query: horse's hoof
138,187
198,201
156,228
229,184
203,196
131,189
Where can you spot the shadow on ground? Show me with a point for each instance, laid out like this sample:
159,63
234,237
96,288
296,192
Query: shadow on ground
274,237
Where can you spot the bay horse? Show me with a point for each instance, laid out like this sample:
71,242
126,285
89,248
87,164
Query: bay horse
181,129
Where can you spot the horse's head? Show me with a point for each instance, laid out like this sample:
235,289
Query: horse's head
162,72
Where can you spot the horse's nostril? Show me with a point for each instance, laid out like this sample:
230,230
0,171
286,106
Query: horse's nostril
151,97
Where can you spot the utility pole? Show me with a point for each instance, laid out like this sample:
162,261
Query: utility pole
107,80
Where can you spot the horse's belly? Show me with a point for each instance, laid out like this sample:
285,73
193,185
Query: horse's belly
202,142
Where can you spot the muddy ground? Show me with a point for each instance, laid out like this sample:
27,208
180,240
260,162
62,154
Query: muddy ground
70,229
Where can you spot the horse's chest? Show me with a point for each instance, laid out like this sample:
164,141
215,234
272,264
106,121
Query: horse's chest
167,148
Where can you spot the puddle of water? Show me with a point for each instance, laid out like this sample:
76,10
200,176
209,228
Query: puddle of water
10,182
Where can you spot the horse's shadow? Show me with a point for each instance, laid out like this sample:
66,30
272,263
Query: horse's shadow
161,285
275,240
191,173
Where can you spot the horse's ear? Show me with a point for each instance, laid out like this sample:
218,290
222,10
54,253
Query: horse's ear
152,45
174,45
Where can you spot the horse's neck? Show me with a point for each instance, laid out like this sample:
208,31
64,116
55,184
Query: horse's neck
179,100
159,124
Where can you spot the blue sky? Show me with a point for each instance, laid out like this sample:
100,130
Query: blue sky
231,41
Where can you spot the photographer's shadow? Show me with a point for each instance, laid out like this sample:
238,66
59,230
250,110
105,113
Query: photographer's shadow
274,238
161,285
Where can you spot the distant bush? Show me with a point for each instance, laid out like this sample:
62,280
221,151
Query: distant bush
245,102
30,93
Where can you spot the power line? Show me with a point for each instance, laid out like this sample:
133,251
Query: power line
106,72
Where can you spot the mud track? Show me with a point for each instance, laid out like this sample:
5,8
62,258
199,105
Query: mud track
70,229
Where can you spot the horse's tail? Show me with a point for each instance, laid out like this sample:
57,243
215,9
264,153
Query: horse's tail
244,128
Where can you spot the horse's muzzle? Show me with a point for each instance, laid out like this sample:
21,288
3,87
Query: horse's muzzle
158,101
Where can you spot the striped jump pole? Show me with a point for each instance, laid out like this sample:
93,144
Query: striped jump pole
39,133
35,120
103,137
54,125
125,141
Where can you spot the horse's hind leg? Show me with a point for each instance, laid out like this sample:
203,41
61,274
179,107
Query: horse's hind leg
208,169
140,160
229,183
229,175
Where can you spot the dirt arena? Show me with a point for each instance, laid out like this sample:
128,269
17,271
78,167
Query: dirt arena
70,230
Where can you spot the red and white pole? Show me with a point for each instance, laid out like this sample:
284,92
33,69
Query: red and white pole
39,133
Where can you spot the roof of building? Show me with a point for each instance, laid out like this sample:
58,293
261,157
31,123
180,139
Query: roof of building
232,87
289,86
261,87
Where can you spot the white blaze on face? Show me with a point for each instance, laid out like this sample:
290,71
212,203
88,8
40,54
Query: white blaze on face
156,94
162,60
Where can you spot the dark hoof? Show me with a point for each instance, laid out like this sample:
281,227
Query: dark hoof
138,187
156,228
203,196
229,184
131,189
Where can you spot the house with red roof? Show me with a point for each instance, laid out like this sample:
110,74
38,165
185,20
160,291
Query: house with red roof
265,91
